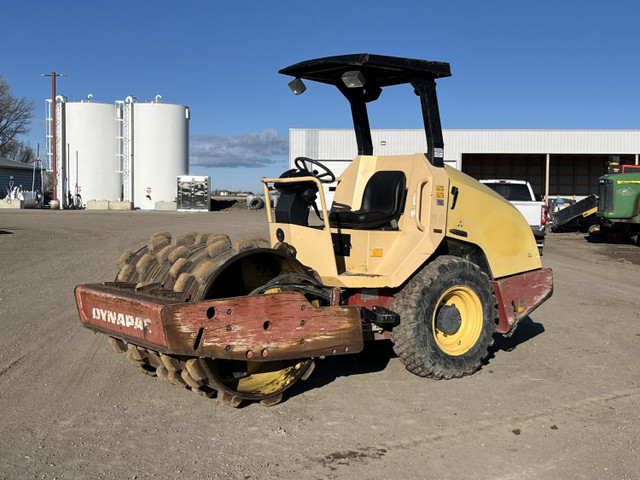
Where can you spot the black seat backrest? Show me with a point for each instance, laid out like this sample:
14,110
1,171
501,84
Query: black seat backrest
382,203
384,192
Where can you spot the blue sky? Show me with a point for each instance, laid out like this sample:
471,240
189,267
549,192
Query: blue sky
515,64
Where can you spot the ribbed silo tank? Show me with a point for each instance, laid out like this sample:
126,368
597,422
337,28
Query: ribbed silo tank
89,156
160,151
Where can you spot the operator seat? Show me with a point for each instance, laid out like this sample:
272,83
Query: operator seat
382,204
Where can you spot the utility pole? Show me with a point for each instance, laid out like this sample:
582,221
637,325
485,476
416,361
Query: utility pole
54,140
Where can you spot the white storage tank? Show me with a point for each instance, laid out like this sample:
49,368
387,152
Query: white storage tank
88,153
160,152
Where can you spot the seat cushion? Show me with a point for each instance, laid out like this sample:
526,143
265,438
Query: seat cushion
359,219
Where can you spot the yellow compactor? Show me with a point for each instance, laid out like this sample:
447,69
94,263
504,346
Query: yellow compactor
410,249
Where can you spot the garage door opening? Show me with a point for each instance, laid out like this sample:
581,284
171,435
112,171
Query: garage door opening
569,175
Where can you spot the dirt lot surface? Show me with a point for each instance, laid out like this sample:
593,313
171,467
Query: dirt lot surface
558,400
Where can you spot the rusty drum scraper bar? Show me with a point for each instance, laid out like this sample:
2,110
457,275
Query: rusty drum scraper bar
276,326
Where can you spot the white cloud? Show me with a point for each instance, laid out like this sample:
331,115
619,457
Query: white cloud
248,150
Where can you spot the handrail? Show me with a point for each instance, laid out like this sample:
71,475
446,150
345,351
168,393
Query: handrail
323,202
418,216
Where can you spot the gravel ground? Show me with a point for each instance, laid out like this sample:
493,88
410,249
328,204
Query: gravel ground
558,400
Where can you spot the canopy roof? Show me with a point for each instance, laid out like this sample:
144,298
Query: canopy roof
378,70
367,75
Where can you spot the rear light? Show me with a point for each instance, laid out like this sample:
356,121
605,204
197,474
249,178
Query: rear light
543,218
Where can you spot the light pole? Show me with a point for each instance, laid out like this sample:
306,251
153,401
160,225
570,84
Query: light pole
54,140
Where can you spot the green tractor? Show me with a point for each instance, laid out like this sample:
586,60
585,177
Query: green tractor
619,202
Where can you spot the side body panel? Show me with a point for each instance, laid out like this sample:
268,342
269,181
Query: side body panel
439,202
484,218
376,258
530,208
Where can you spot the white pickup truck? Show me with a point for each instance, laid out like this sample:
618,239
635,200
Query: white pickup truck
520,195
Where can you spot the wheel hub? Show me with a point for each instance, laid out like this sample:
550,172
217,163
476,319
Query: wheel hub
448,319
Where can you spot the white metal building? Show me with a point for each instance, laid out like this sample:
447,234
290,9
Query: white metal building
563,163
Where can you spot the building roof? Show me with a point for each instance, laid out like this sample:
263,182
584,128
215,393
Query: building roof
6,163
340,143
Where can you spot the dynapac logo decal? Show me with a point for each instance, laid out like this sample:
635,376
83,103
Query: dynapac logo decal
117,318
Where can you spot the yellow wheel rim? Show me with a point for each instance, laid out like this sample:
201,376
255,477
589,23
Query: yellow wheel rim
471,318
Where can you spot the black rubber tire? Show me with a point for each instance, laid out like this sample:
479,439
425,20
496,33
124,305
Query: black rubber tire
256,203
414,338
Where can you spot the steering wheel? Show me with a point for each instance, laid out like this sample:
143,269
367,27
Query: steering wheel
326,176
